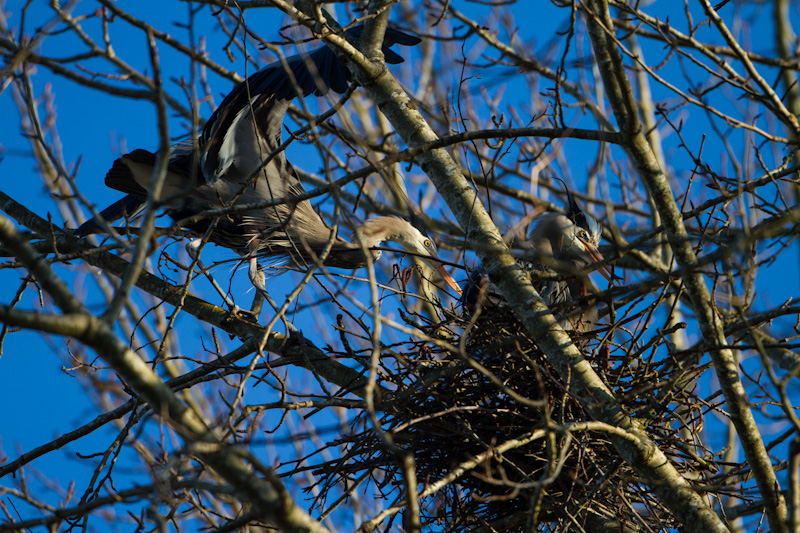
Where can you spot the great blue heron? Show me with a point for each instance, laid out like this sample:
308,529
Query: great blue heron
236,161
561,244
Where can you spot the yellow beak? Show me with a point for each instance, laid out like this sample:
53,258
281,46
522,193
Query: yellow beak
447,278
596,256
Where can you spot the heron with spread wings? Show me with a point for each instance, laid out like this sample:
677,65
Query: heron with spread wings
237,161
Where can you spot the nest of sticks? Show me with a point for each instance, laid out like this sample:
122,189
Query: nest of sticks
510,446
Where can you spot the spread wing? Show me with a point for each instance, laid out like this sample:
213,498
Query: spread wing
237,139
132,173
247,125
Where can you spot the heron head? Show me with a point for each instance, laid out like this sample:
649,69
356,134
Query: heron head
412,237
582,236
570,239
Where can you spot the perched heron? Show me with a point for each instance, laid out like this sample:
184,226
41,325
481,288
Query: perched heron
236,161
561,244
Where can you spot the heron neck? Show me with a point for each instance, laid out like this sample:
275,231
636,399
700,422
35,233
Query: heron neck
350,255
370,235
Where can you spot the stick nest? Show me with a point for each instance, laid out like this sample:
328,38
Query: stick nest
499,428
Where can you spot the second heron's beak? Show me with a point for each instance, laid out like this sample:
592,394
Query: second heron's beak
446,277
596,256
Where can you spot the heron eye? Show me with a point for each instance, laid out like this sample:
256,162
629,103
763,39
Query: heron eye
583,235
427,243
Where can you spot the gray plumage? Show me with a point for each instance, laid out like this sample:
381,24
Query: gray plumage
211,173
561,244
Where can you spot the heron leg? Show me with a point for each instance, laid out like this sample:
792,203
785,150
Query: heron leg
191,248
258,304
258,279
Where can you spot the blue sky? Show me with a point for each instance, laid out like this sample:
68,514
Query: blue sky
43,397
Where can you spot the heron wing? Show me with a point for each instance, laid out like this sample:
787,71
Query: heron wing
246,126
128,205
132,174
234,145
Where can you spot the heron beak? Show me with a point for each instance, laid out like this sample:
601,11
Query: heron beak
596,256
446,277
